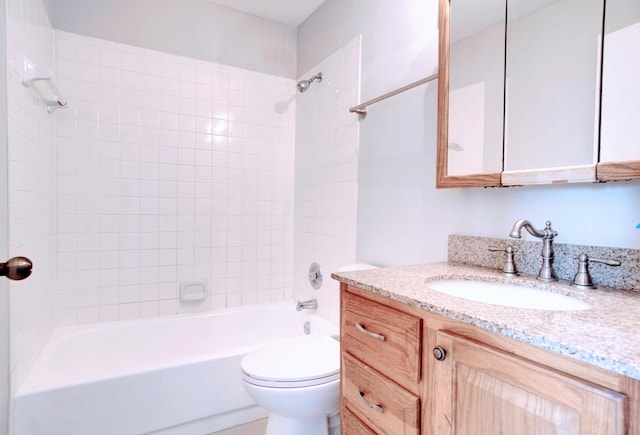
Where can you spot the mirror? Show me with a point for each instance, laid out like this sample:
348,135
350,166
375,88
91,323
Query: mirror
476,86
620,129
470,93
552,89
553,108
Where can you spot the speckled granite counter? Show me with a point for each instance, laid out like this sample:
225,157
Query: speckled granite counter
607,335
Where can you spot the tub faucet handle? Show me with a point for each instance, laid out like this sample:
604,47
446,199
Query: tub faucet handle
509,267
583,276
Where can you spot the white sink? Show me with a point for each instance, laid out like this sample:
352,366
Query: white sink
508,295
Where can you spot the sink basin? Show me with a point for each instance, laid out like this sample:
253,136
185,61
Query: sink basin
509,295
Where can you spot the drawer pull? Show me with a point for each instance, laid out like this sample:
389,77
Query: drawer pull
369,333
369,404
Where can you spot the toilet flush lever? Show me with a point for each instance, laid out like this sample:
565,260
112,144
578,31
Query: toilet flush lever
16,268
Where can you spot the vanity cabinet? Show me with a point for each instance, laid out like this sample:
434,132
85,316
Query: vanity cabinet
352,424
467,380
482,390
381,367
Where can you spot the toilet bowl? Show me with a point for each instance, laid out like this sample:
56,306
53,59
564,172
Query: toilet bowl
298,381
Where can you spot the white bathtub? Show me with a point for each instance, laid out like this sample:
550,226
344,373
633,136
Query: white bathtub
172,375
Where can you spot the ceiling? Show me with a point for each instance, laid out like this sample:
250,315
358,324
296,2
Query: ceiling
291,12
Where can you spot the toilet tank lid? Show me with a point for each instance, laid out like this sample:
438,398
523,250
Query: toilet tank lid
294,359
356,266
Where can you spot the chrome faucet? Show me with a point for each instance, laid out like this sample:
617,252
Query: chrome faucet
311,304
547,234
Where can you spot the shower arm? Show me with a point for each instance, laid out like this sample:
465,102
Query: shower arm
316,77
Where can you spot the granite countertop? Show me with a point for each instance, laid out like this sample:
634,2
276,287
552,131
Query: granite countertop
607,335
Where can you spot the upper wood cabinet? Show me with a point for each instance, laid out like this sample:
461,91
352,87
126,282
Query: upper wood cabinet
534,94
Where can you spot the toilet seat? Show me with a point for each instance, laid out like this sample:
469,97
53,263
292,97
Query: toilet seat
293,363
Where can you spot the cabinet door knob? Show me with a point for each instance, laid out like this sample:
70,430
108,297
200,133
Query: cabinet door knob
16,268
439,353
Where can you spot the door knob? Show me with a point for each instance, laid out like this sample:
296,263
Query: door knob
16,268
439,353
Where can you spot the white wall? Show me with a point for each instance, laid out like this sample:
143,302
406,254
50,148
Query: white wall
169,170
402,218
326,180
31,180
191,28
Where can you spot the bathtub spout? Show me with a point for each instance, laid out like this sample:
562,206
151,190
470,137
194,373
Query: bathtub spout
311,304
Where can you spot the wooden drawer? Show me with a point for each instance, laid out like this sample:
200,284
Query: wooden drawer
351,425
386,339
377,401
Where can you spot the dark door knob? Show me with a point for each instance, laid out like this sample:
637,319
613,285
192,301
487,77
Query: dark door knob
16,268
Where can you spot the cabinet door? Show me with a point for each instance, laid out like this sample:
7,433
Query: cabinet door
480,390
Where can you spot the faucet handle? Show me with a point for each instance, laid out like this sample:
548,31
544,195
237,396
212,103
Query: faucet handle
509,267
549,233
583,277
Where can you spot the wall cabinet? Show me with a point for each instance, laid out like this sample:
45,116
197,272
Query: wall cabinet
467,380
538,92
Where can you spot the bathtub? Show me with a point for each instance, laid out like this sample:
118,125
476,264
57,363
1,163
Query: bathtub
171,375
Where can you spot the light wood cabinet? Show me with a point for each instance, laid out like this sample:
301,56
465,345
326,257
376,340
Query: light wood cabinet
482,390
352,424
378,401
508,37
484,384
381,367
369,328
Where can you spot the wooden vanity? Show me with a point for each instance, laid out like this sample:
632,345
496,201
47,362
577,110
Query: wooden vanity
407,370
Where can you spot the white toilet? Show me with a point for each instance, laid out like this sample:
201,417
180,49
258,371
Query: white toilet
298,381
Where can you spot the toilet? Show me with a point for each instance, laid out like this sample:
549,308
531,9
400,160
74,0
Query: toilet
298,381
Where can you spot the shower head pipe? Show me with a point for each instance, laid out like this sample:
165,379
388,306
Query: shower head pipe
303,85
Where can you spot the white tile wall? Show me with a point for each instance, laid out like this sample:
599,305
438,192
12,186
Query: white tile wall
31,177
327,175
169,170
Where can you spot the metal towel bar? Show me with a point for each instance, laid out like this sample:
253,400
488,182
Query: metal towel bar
361,109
